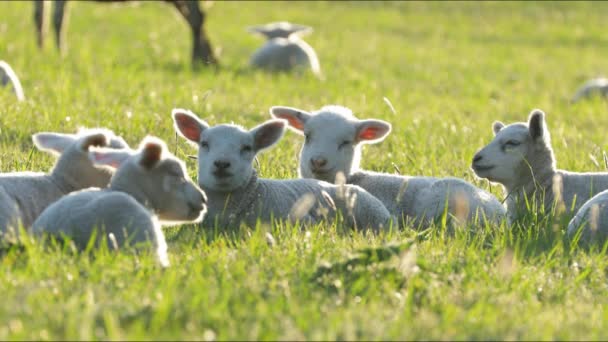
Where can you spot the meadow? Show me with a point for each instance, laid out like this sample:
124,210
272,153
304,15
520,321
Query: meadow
448,68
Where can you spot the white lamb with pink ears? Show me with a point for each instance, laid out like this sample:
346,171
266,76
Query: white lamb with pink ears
332,146
150,188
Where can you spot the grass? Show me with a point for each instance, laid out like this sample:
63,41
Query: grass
449,68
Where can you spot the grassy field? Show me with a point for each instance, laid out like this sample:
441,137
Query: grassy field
449,68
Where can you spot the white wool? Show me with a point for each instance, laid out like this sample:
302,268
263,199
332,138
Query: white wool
592,219
237,195
150,188
24,195
520,158
333,139
8,76
596,86
285,49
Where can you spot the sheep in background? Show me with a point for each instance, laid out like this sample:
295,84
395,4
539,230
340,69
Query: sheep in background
237,195
24,195
521,159
150,187
592,218
8,76
284,50
332,146
596,86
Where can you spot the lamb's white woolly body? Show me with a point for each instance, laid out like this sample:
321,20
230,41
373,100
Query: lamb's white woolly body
521,159
284,50
333,145
592,218
8,76
24,195
236,195
150,188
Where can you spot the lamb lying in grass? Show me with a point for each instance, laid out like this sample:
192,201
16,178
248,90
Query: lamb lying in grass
596,86
592,219
521,159
150,187
237,195
284,50
24,195
333,139
8,76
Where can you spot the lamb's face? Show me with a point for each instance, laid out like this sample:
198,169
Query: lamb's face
225,158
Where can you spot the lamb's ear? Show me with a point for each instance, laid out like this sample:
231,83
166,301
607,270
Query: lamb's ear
118,142
267,134
109,157
96,139
371,131
295,117
55,143
536,124
188,125
497,126
151,154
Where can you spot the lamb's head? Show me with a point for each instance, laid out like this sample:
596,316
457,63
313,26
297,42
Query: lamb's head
518,151
155,178
226,152
73,169
333,139
281,29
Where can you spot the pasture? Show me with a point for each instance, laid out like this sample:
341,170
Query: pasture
449,69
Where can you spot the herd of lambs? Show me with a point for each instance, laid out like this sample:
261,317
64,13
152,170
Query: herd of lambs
101,191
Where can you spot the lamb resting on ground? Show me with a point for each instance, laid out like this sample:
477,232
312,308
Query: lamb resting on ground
333,139
237,195
150,187
521,159
284,50
24,195
592,219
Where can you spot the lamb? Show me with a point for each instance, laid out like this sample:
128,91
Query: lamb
332,147
592,219
284,50
7,75
24,195
150,187
237,195
596,86
520,158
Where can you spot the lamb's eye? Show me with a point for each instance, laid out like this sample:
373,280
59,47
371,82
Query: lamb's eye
204,144
512,143
344,143
306,138
246,148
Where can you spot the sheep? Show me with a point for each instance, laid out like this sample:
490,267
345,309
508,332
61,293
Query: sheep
284,50
237,195
150,187
332,147
7,75
596,86
521,159
24,195
592,219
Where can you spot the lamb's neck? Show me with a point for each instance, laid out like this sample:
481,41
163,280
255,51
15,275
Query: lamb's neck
138,193
63,182
536,185
235,201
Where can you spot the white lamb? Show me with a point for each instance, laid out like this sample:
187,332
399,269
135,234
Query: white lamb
521,159
333,139
24,195
237,195
7,75
284,50
150,187
592,218
596,86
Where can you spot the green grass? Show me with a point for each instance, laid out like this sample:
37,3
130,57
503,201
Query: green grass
449,68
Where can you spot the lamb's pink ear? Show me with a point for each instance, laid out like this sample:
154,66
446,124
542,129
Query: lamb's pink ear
151,154
96,139
188,125
109,157
295,117
372,131
55,143
267,134
497,126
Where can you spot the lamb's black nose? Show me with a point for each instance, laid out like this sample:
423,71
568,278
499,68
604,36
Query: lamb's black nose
220,164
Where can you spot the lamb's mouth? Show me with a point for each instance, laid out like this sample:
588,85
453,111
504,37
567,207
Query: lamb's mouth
480,168
323,172
222,174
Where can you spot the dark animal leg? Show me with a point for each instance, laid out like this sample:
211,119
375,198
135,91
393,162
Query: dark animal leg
202,51
39,15
58,22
